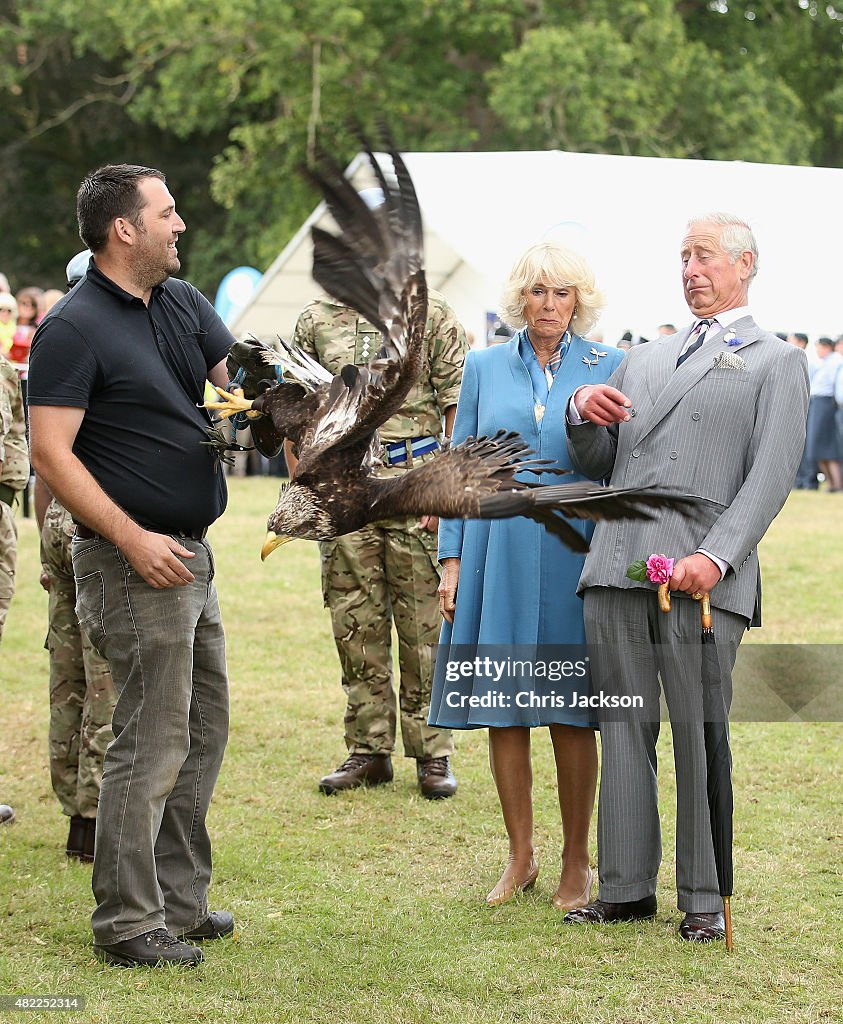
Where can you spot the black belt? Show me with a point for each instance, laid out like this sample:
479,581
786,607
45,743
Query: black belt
197,533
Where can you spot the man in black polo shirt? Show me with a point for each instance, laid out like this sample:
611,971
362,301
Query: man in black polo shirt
116,377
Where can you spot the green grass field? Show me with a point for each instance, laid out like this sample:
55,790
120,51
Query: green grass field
369,906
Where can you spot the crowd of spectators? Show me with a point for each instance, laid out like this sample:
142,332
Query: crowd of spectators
824,443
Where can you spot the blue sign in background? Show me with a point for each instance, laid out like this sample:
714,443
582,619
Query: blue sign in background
235,291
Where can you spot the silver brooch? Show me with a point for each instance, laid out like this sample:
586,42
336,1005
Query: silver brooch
598,355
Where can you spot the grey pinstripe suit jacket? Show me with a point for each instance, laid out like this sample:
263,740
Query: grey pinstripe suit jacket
733,438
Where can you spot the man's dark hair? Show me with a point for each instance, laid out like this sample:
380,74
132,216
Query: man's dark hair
106,194
803,338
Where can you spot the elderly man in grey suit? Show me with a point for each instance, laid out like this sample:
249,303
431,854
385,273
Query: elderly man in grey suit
717,411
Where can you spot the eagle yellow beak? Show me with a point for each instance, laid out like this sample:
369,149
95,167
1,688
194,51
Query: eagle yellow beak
273,541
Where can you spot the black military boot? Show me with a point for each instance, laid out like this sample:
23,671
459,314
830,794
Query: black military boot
90,840
76,837
152,949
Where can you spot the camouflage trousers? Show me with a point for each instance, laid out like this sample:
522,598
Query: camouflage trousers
383,573
8,560
82,693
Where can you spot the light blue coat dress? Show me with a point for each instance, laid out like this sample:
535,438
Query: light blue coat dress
517,586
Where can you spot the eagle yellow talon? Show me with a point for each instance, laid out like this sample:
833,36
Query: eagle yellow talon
231,403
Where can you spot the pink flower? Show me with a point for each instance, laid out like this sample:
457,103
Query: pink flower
659,568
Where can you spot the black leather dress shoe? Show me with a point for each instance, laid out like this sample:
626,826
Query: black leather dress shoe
216,925
601,912
152,949
436,780
702,927
358,770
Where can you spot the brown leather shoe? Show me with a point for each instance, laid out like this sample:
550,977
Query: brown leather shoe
601,912
436,780
702,927
358,770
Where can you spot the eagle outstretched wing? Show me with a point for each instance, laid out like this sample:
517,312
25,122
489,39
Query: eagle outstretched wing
476,480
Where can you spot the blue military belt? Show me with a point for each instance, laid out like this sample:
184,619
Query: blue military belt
397,451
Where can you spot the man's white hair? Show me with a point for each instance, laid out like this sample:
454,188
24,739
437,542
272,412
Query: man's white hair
735,236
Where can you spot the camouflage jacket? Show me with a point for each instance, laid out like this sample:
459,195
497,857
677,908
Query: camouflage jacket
336,335
15,470
5,423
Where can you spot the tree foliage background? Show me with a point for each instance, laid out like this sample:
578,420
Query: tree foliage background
230,99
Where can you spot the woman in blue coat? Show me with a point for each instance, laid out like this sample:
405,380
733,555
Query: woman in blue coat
509,585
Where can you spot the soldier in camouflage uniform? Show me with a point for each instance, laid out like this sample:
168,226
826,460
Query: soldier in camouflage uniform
389,571
14,476
82,695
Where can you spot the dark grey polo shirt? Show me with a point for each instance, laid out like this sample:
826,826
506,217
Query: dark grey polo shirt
138,372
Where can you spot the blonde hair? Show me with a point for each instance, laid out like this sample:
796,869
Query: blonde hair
558,267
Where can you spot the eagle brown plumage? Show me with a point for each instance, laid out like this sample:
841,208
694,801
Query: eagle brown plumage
375,265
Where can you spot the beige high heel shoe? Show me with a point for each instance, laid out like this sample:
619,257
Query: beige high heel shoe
503,895
581,900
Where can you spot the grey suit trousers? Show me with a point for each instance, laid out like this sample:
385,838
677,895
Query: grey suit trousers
634,646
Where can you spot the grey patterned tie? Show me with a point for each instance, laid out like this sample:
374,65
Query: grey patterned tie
700,331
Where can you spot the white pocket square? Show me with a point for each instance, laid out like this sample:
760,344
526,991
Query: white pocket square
729,361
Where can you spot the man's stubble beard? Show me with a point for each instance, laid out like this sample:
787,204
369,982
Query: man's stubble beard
150,271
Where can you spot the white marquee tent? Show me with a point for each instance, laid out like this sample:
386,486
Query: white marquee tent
625,214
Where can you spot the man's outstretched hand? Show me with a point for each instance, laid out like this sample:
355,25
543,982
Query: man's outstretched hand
603,405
